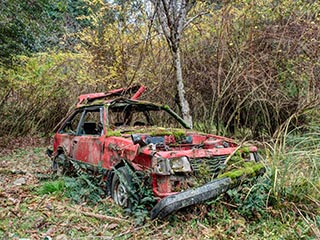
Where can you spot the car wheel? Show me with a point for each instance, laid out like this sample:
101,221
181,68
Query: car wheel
120,188
59,165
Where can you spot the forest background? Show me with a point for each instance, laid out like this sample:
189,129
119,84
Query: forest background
251,70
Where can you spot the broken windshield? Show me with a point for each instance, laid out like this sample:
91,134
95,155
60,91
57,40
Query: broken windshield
135,114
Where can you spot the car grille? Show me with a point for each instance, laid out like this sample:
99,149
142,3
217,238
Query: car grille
212,166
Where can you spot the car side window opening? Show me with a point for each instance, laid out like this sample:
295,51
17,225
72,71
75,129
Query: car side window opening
92,122
71,125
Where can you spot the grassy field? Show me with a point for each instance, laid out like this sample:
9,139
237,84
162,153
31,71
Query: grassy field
278,206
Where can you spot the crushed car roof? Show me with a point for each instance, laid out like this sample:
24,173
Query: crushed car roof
133,93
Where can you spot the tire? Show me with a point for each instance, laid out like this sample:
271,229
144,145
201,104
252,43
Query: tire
60,165
121,188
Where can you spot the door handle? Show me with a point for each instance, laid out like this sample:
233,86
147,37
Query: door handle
75,141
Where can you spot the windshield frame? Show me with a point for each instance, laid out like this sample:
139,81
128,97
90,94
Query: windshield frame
144,105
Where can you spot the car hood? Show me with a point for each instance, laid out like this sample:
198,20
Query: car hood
175,142
173,136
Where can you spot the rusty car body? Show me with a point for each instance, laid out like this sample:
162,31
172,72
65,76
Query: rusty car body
117,132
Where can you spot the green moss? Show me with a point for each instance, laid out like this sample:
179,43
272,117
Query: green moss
238,156
248,169
166,107
111,133
245,150
203,174
232,174
96,102
159,131
179,134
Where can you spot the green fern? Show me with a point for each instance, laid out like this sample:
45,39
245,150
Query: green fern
52,187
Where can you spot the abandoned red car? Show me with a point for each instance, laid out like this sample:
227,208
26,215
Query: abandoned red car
116,133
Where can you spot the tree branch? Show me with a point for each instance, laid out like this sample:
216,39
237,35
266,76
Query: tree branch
194,18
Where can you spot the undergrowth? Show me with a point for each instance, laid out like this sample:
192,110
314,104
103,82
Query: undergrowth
287,194
85,187
52,187
140,193
295,167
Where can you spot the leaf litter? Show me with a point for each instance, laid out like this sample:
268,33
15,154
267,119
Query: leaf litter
27,214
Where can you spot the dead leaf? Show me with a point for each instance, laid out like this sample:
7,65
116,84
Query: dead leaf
19,181
112,226
51,231
62,237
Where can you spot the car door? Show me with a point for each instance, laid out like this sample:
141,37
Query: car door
87,146
68,131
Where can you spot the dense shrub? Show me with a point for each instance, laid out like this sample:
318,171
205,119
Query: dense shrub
249,67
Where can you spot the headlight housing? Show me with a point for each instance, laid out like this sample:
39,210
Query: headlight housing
161,166
164,166
181,164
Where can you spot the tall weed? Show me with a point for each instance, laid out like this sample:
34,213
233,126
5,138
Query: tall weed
291,181
295,166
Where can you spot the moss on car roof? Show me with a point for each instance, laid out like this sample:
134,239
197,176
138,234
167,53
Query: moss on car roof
122,101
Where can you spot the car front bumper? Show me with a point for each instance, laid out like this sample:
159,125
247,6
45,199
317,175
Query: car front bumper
210,190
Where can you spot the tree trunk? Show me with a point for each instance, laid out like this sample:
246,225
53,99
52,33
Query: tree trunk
185,109
172,16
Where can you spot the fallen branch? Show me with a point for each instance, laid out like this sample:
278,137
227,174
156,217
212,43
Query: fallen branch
99,216
104,217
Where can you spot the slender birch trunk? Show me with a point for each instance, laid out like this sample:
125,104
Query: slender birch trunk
185,109
172,15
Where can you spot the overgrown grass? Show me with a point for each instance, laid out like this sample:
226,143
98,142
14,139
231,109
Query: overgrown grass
294,160
288,192
79,188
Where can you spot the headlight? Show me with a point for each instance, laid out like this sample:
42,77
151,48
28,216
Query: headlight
163,166
180,164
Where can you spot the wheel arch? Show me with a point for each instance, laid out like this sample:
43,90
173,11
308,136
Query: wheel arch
60,150
110,174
